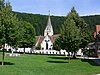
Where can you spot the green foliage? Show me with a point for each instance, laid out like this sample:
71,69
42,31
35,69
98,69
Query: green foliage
83,43
57,44
38,47
79,22
70,35
8,23
39,22
92,20
2,4
13,31
71,32
26,34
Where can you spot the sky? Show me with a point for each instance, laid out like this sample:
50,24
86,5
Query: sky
56,7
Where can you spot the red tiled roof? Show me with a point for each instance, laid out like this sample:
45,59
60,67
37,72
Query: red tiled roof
54,37
39,39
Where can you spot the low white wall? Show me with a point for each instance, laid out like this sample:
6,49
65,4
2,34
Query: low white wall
79,52
61,52
22,50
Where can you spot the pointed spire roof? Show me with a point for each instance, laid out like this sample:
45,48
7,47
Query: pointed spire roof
49,28
49,25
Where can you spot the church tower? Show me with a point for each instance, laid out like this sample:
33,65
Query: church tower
49,28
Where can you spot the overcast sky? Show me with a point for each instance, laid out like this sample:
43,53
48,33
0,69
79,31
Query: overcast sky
57,7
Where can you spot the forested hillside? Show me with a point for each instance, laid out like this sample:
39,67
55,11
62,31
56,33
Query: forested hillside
92,20
40,21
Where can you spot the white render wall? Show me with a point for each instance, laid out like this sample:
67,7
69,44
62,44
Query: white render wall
49,33
27,50
43,44
7,47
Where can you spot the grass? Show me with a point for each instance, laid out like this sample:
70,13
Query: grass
47,65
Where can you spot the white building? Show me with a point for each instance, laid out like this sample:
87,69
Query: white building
46,41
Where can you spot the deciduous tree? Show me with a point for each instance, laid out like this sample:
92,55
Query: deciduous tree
8,23
72,31
26,35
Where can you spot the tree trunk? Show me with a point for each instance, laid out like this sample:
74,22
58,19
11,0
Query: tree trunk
74,56
24,49
3,56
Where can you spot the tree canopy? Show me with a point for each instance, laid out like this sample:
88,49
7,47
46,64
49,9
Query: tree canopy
26,34
8,23
39,22
13,30
72,32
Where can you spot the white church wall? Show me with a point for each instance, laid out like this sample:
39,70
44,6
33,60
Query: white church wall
50,45
43,44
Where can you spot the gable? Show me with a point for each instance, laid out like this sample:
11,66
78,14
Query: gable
39,39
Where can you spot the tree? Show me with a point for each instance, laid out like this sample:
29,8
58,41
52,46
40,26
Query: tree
71,36
38,47
82,25
71,32
57,44
8,22
26,35
8,25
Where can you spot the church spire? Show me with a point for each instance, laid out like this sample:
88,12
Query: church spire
49,28
49,12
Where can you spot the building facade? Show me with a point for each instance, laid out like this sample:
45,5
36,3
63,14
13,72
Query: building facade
46,41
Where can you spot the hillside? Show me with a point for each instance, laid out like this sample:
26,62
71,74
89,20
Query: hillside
92,20
40,21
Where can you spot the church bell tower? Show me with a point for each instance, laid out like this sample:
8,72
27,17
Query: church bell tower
49,28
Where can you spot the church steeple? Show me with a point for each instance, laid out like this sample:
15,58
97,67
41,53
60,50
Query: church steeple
49,28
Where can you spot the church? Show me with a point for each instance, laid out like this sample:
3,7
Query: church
46,41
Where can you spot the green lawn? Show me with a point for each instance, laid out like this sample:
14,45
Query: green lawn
47,65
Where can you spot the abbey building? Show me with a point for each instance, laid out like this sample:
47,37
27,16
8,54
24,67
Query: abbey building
46,41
